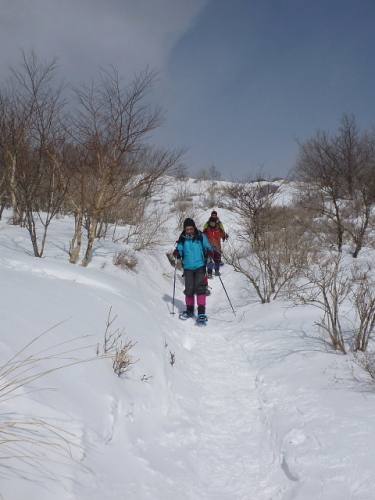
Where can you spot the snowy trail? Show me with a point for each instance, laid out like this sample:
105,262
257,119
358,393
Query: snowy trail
235,455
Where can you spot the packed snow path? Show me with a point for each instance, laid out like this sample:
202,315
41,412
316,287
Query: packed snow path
234,457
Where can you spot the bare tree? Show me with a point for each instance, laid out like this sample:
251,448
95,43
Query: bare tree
29,126
16,116
181,172
338,169
110,128
210,174
317,167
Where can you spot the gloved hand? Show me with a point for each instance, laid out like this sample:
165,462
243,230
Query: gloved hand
210,255
176,254
226,236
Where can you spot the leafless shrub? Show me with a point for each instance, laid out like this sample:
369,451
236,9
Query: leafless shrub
271,248
311,207
126,260
327,286
358,218
182,193
267,188
366,361
363,300
123,361
181,207
273,260
116,347
252,202
183,210
211,196
147,232
111,339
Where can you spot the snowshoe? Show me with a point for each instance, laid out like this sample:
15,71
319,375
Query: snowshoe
189,313
217,272
202,319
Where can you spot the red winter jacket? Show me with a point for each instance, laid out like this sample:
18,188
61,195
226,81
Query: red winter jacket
215,235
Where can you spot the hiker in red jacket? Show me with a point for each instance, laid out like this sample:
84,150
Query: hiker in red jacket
215,235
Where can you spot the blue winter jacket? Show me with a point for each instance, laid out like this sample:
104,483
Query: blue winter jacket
193,251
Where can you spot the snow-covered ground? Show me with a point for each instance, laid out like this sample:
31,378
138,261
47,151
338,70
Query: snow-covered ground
250,407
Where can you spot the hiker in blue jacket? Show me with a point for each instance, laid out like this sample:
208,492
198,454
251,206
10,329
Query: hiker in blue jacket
194,249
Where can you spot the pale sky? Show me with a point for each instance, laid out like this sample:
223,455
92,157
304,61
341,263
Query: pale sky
240,80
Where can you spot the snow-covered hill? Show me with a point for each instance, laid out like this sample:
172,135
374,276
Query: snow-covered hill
250,407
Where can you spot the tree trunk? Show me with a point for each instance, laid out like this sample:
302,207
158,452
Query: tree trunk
90,242
13,198
76,243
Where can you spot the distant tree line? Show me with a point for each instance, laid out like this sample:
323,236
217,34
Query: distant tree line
87,156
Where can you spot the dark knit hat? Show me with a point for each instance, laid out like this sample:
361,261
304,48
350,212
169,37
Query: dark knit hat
214,214
189,222
212,219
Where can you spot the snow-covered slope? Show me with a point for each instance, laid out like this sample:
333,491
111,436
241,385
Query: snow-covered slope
250,407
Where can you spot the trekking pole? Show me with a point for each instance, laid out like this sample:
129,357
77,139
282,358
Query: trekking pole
227,295
174,284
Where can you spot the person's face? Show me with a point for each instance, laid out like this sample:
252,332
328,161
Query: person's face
189,230
212,224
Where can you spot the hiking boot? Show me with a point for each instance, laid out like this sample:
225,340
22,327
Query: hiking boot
189,311
201,310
